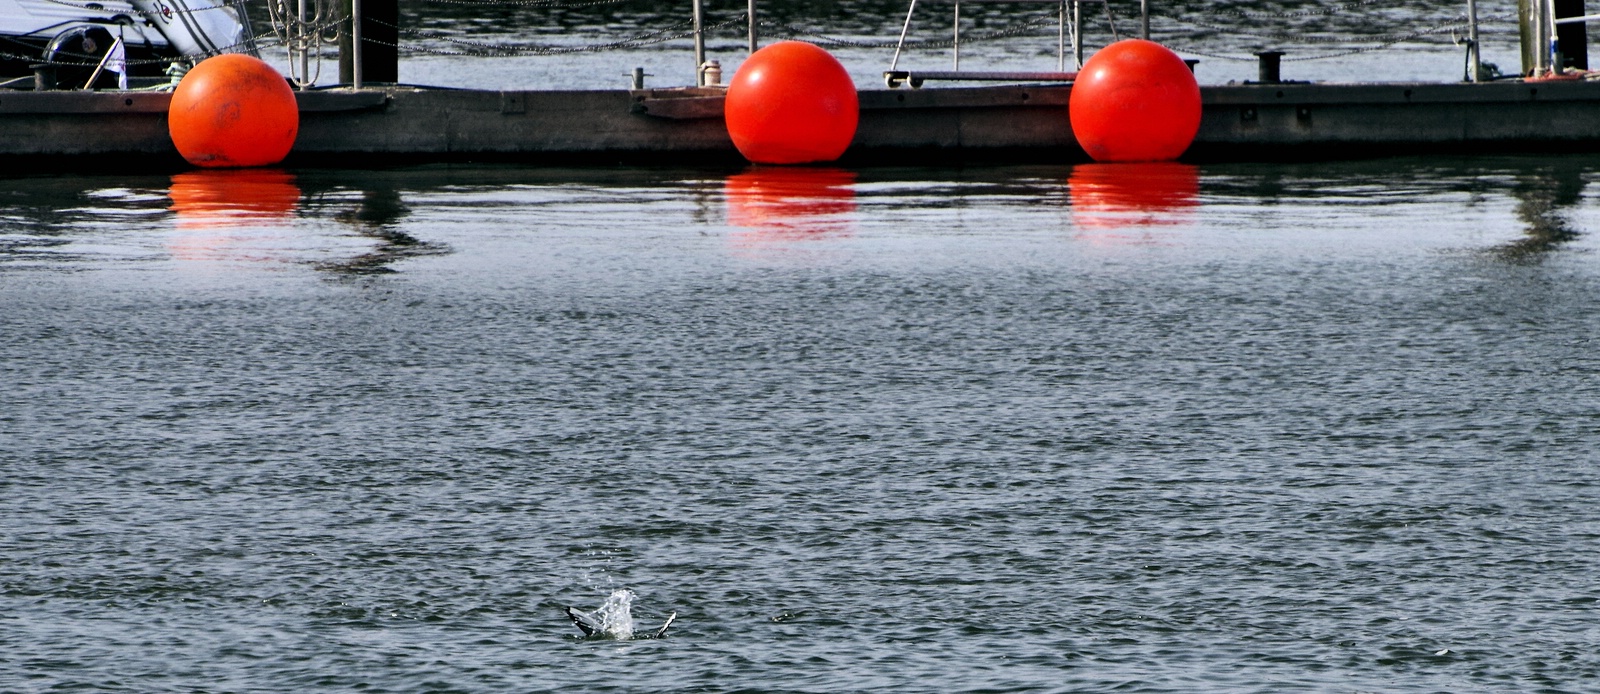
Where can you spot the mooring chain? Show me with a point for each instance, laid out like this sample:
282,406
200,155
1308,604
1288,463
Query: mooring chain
1311,39
531,3
672,33
1019,30
1390,43
1246,14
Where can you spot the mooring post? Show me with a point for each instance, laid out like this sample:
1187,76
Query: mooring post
699,45
751,14
368,51
1474,58
956,44
1077,33
1572,37
1061,40
355,44
305,53
1267,67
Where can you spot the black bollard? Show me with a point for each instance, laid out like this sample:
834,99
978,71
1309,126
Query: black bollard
1572,38
1268,66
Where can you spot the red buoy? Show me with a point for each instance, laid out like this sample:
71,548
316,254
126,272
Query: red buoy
233,110
791,103
1135,101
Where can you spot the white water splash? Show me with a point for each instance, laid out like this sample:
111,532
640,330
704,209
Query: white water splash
615,616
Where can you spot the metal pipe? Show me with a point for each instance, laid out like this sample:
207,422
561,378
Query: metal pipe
305,52
896,60
699,44
957,43
1541,13
1077,33
1474,64
1144,19
1061,39
751,14
355,44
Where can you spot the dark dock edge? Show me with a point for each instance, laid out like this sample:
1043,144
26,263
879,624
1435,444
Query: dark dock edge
988,124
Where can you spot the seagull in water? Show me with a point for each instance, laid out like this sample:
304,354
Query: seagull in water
613,619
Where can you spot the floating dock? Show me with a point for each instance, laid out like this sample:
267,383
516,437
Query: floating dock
380,126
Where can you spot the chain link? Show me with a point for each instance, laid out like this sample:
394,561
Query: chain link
503,50
530,3
800,32
1293,15
1390,42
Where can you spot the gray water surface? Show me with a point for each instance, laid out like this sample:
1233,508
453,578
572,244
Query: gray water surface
1228,428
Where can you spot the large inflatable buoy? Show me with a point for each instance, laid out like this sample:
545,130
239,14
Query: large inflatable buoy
791,103
1135,101
233,110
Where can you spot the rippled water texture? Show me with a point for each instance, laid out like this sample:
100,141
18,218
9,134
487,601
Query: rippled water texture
1131,428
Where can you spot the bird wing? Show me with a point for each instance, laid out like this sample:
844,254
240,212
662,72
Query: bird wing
663,630
583,621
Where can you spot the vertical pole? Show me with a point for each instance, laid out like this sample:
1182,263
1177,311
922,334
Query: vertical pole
751,13
305,52
1474,58
1144,19
699,44
957,65
355,44
1545,34
1061,39
895,61
1077,33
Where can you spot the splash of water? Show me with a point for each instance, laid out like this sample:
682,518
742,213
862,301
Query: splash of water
615,615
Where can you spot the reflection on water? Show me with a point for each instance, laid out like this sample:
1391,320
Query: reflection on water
1107,197
1543,199
233,215
378,216
210,198
777,205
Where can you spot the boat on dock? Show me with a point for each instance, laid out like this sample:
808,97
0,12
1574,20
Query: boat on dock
48,45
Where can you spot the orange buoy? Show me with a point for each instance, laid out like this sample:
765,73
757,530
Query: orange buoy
1135,101
791,103
233,110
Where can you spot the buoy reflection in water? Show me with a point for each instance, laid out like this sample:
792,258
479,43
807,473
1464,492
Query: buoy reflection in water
230,213
776,205
1114,196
